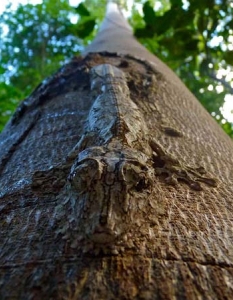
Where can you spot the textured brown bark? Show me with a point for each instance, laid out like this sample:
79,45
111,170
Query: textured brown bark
178,242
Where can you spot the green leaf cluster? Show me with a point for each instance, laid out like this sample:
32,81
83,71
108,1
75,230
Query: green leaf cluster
186,36
194,37
35,41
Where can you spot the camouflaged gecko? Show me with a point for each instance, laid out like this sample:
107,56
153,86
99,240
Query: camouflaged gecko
116,161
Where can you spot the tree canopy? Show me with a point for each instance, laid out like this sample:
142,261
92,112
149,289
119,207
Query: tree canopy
195,38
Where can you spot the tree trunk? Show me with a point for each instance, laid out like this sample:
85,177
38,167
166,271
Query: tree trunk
115,183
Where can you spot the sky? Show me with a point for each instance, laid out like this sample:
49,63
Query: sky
227,109
3,3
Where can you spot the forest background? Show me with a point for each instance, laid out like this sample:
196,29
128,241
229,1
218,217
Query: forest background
194,38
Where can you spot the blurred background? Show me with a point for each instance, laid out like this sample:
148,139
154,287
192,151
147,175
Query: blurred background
194,38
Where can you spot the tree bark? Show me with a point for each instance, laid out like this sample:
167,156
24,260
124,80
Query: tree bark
136,204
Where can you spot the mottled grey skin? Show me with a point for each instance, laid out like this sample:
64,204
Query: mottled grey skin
107,177
113,114
116,160
106,182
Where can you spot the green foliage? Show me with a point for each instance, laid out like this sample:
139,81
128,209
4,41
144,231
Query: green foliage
192,37
228,128
183,37
86,23
39,39
82,10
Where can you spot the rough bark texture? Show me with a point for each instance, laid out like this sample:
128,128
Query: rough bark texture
164,230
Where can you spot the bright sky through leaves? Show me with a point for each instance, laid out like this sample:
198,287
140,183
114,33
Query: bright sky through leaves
15,3
227,108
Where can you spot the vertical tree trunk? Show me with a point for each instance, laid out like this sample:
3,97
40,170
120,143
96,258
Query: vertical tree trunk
115,183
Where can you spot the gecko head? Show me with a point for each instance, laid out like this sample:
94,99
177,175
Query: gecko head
136,176
109,168
106,186
85,174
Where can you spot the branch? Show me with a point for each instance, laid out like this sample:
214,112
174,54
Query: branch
226,84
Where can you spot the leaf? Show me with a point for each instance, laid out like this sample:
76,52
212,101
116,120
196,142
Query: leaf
228,128
192,45
228,56
146,32
229,24
85,27
164,22
204,66
176,3
149,14
82,10
201,23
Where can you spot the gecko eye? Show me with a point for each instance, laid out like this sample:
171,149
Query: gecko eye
141,185
136,176
85,174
